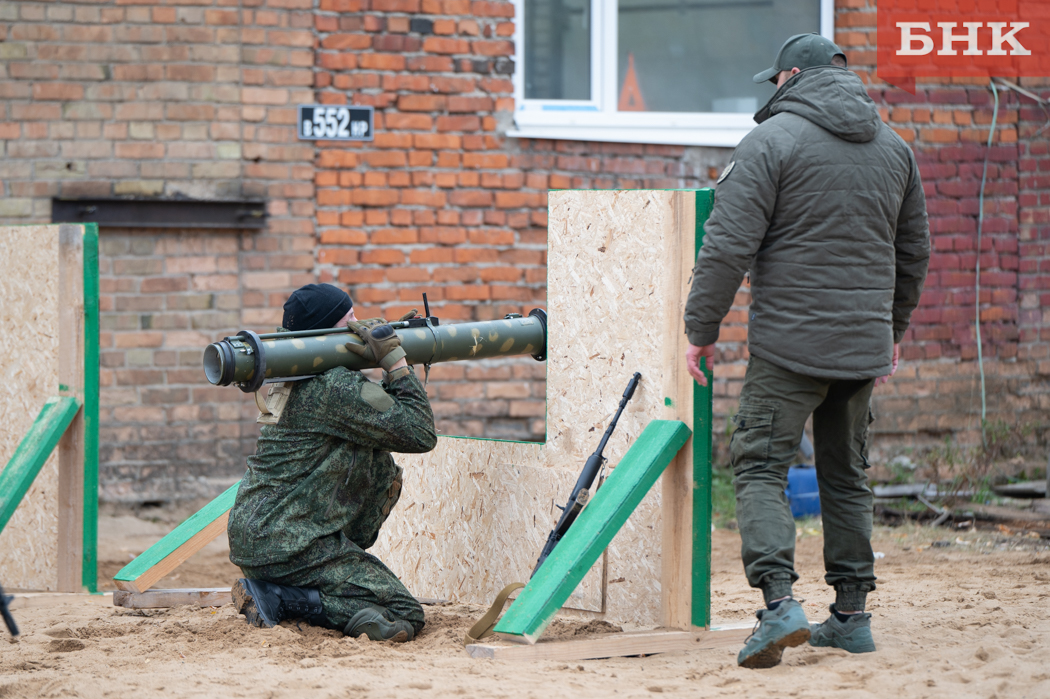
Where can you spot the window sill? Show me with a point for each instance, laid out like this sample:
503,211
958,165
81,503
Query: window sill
661,128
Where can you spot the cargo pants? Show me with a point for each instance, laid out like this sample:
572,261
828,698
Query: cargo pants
347,576
774,406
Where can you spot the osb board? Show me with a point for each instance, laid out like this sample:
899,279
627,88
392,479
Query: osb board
29,337
471,521
474,513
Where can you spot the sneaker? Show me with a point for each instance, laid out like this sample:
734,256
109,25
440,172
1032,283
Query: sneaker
373,623
853,635
266,604
777,629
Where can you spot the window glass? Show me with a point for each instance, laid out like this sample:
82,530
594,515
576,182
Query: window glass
700,55
558,49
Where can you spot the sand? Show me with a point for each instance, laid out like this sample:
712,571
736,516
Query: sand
967,618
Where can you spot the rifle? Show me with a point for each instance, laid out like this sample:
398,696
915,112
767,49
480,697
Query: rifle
581,493
6,613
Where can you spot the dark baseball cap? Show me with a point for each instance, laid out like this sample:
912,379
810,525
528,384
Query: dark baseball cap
801,51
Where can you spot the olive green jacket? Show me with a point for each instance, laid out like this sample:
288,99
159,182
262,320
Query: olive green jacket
824,206
326,466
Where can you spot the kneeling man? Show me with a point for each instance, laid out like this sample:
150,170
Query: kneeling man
322,482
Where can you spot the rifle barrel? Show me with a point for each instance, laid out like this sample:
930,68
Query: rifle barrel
586,479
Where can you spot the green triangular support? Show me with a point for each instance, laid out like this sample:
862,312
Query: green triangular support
595,528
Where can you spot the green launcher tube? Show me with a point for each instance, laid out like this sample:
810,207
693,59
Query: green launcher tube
250,360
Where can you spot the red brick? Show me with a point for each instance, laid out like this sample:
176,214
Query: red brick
344,42
339,256
458,123
343,236
485,8
382,257
492,48
58,91
441,45
470,104
408,6
431,256
381,61
442,235
375,197
437,141
423,197
394,236
421,103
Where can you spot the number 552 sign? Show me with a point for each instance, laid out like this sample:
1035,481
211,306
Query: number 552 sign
335,123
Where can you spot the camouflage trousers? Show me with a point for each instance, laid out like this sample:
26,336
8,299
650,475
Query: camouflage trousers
774,406
348,577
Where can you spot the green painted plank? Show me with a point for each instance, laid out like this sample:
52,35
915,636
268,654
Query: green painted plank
596,526
179,535
32,452
89,567
702,416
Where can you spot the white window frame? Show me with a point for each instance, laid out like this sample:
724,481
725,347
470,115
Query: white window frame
597,119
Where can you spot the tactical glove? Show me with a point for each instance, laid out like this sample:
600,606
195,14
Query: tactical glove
382,344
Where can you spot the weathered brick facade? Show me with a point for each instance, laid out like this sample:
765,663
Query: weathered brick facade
196,98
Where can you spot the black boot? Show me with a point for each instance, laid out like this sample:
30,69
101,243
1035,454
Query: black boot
373,622
268,604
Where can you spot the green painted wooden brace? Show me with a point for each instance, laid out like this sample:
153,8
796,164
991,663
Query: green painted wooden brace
596,526
702,417
89,563
179,535
33,451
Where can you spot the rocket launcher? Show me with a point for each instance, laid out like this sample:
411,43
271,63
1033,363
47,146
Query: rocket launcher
250,360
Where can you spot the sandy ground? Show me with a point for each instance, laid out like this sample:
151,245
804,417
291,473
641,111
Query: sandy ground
969,617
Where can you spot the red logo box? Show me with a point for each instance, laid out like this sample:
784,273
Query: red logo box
962,38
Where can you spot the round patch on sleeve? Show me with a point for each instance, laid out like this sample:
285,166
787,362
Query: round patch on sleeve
375,396
725,173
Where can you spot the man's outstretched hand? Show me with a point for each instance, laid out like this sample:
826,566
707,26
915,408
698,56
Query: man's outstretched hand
896,357
692,361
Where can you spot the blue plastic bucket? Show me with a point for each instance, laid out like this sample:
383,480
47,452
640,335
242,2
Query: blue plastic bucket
802,492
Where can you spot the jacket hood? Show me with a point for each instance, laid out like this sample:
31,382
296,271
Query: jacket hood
832,98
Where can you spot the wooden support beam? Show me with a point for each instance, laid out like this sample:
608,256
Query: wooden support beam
71,384
36,600
616,645
596,526
32,453
676,484
182,542
160,599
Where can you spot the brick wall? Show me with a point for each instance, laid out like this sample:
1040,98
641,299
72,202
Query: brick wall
196,97
937,394
166,99
164,434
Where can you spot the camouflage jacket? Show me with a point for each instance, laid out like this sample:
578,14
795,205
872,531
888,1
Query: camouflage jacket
326,466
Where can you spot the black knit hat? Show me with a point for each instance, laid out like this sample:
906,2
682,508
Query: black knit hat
315,306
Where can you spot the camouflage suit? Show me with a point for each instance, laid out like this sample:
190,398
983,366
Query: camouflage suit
321,484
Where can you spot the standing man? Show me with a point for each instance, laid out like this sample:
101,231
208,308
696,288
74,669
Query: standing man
823,206
322,482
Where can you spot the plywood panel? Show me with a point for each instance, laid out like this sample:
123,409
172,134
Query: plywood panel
29,374
471,516
472,520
